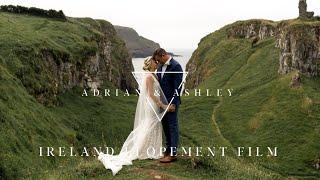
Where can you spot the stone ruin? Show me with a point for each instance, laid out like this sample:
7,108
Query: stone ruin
303,13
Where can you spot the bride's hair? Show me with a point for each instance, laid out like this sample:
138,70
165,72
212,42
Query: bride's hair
147,63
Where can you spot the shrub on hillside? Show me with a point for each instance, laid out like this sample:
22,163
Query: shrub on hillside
34,11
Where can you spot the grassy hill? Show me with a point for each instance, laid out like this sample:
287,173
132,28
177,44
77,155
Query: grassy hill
137,45
263,111
41,60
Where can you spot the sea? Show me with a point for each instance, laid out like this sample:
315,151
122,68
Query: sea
183,57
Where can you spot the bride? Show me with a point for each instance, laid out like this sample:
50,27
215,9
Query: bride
145,140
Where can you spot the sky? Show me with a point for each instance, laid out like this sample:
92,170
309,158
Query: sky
175,24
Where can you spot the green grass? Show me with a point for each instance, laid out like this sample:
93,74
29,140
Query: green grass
26,79
263,111
28,42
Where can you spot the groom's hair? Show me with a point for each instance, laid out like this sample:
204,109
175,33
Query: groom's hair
159,52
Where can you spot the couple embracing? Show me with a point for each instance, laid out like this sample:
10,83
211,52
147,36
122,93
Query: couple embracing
156,111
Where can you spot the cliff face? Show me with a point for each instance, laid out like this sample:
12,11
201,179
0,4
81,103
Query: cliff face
40,60
266,108
297,40
299,45
138,46
51,57
254,28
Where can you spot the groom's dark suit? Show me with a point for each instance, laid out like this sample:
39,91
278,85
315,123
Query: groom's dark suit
170,83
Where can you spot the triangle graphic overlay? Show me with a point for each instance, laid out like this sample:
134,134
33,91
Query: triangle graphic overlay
139,81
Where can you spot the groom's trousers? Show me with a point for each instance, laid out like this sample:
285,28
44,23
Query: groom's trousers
171,131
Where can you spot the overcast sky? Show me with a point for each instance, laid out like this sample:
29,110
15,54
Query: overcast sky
175,24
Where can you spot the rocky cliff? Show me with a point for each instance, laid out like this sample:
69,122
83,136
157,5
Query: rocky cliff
138,46
273,70
44,65
50,57
297,40
300,47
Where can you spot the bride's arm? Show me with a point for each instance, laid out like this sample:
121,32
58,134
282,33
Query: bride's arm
150,89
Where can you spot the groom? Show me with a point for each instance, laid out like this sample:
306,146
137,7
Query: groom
170,83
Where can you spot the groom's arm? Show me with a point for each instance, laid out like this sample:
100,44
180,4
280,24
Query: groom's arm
176,83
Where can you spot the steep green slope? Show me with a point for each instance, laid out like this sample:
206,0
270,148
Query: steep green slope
264,109
27,125
39,50
44,63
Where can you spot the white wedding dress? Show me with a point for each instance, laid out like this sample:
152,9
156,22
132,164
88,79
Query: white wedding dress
145,140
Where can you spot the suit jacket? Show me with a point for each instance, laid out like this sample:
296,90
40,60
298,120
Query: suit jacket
170,82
